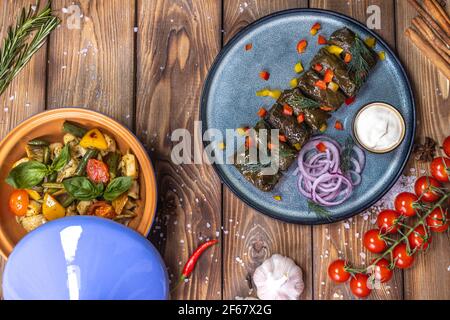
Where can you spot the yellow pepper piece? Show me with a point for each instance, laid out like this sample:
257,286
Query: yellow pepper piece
52,209
241,131
382,55
297,146
293,83
298,67
94,139
371,42
277,198
269,93
33,194
333,86
335,50
313,32
221,145
323,128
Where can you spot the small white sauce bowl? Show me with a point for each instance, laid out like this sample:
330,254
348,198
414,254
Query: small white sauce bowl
394,112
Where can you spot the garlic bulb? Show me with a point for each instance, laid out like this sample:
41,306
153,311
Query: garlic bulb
278,278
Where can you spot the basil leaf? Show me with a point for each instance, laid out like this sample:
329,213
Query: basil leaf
81,188
60,161
27,175
116,187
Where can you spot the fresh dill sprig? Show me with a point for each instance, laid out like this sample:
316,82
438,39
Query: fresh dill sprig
303,102
17,48
347,151
358,65
319,211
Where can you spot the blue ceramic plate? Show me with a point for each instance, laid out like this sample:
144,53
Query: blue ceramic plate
85,258
229,101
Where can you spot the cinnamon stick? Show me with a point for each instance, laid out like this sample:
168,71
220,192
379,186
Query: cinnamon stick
438,13
429,52
430,21
429,35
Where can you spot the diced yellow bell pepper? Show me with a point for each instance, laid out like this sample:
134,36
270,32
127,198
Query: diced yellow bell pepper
382,55
275,94
94,139
277,198
333,86
293,83
33,194
335,50
221,145
241,131
323,128
52,209
298,67
297,146
371,42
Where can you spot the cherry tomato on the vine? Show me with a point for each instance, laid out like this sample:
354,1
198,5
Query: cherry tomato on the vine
440,169
18,202
359,285
382,271
337,272
438,220
419,239
373,241
404,204
424,189
446,146
402,258
387,221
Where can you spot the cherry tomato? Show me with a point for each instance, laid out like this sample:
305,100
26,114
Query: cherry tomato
97,171
402,259
404,204
18,202
102,209
359,285
446,146
438,220
440,169
382,271
337,272
424,191
373,241
387,221
419,238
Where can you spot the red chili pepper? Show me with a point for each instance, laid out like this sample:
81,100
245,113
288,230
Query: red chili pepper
349,101
322,40
264,75
347,58
301,46
287,110
321,85
301,118
321,147
192,261
262,113
248,47
318,67
338,125
329,75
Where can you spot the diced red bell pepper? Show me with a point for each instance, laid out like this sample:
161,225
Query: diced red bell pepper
321,85
301,46
282,138
329,75
347,58
321,147
262,113
248,47
349,101
326,108
338,125
318,67
321,40
287,110
264,75
301,118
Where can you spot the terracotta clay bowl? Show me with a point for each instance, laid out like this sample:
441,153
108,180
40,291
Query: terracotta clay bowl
48,125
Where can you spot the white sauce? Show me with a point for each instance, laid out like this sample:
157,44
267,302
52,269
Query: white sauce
379,127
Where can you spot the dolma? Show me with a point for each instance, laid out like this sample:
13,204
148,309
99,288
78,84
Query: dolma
315,117
326,97
342,76
363,58
296,134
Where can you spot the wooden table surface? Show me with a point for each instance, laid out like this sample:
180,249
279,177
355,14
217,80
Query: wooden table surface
143,62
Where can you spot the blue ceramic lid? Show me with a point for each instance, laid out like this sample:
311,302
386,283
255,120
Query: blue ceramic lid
81,258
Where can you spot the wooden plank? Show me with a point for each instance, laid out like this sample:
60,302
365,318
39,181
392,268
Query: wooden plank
429,278
250,237
26,94
92,66
177,43
344,239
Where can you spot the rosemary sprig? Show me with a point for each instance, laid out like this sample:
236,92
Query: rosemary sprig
17,48
358,65
319,211
347,151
